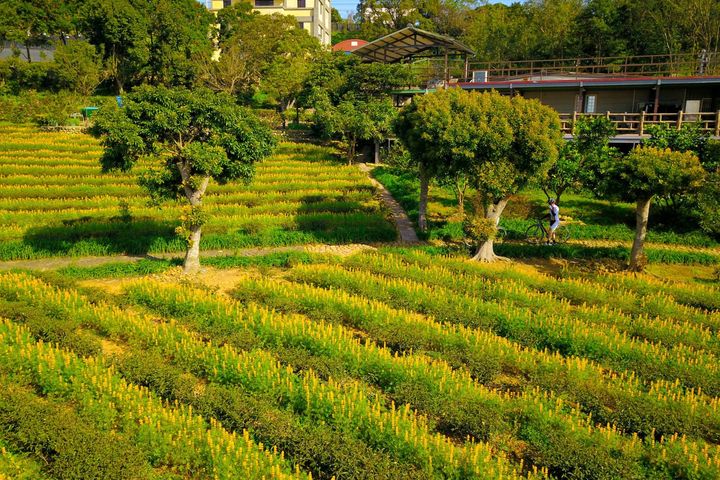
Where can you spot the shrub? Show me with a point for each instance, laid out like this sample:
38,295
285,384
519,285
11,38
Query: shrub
709,204
70,446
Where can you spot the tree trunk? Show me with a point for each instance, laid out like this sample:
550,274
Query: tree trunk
377,152
192,256
27,52
460,187
352,143
422,207
194,197
485,251
642,214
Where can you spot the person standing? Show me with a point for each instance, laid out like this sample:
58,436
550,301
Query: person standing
554,219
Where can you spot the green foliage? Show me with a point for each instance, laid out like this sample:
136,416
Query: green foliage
295,52
647,172
70,446
479,229
257,52
709,204
77,67
336,77
377,79
198,134
353,121
57,108
190,137
688,138
17,77
152,42
580,157
502,144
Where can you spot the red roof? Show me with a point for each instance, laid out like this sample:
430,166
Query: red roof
349,45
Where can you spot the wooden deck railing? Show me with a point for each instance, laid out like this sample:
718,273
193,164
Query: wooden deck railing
642,65
637,123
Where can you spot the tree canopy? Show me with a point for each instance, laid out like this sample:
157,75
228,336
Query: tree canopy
502,144
190,137
538,29
646,173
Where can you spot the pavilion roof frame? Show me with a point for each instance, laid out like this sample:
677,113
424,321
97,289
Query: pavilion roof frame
410,43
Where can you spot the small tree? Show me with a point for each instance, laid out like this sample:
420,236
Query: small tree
285,77
77,66
229,73
588,147
190,138
353,121
646,173
438,131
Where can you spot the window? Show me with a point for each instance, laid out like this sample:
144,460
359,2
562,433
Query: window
301,3
264,3
227,3
301,25
590,103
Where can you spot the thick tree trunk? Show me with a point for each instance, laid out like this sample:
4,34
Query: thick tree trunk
194,197
192,256
485,251
422,207
642,214
377,152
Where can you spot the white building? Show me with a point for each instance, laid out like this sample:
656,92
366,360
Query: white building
312,15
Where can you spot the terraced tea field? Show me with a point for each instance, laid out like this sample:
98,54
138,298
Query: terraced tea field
54,201
391,364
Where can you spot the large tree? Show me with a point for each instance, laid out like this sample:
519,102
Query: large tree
144,41
28,23
646,173
502,144
178,31
119,31
190,138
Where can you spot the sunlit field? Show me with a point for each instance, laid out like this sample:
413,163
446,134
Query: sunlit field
55,201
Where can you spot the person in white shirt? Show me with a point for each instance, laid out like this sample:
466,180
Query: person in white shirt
554,219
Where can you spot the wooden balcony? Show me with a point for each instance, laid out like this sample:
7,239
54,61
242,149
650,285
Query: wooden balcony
628,66
631,125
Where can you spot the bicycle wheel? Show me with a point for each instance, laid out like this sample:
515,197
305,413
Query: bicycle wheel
562,234
535,234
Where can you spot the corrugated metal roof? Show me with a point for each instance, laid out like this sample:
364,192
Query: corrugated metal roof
408,43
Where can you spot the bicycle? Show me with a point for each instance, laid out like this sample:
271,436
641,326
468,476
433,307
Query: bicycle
537,233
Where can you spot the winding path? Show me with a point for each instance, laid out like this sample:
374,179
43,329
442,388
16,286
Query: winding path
399,217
